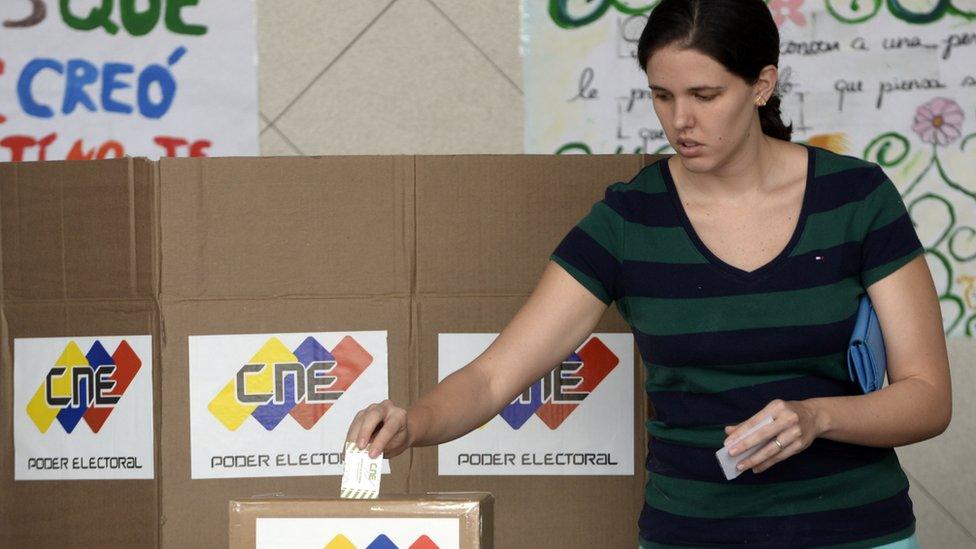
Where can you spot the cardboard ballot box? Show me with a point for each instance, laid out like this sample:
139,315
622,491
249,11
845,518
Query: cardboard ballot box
461,520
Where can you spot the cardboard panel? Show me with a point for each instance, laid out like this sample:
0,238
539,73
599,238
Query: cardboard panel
77,229
286,227
194,512
260,245
532,511
487,224
79,513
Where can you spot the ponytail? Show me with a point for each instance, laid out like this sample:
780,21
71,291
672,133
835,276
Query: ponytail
772,123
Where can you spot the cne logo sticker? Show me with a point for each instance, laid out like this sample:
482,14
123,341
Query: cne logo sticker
62,384
578,419
83,386
279,404
302,383
554,397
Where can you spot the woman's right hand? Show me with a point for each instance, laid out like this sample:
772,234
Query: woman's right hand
392,438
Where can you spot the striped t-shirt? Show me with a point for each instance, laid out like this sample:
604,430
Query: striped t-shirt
719,343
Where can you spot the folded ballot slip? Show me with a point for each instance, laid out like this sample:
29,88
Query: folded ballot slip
361,475
728,462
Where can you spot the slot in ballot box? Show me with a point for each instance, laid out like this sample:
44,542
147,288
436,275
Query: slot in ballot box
456,520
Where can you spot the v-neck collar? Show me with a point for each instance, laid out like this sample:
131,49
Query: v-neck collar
741,274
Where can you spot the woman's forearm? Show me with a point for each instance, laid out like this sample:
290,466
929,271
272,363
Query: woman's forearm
555,319
908,411
457,405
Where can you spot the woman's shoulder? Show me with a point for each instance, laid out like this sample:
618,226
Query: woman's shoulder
837,165
649,179
845,180
646,184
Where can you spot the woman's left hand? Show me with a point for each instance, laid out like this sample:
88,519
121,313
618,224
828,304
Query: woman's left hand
794,427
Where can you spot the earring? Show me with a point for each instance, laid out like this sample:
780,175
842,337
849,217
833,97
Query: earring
760,101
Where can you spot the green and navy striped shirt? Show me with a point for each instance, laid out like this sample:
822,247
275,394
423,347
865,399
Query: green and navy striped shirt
719,343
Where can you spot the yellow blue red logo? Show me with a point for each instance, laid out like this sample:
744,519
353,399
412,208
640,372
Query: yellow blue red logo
83,386
302,383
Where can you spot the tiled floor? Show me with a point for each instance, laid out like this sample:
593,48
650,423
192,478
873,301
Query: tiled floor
444,77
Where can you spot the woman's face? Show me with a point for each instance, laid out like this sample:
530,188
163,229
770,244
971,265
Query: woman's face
707,112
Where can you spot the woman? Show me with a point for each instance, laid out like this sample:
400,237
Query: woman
738,263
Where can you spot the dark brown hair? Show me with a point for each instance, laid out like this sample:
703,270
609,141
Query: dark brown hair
739,34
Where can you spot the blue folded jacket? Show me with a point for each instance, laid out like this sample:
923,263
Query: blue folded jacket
866,359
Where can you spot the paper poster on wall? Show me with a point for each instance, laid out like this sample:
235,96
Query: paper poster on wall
86,79
83,408
892,82
270,405
577,420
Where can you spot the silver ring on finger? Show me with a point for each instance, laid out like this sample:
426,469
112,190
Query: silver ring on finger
778,443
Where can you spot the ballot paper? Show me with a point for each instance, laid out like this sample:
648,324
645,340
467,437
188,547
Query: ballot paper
361,474
728,462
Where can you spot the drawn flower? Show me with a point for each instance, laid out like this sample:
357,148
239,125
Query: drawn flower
939,121
787,9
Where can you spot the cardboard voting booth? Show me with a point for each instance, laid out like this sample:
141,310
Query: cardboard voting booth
135,294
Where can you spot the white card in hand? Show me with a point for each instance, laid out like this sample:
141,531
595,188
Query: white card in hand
728,462
361,474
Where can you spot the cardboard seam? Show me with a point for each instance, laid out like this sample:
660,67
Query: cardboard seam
6,387
133,264
13,168
19,246
156,264
472,295
64,268
413,368
290,297
76,300
7,417
6,391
